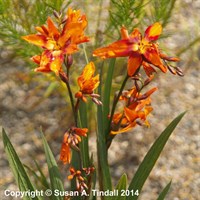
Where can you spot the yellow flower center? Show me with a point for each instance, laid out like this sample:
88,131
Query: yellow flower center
143,45
135,47
53,44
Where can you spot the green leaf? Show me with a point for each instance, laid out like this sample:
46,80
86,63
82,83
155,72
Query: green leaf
36,177
39,178
55,178
164,192
151,157
122,184
104,171
17,167
93,182
43,178
84,140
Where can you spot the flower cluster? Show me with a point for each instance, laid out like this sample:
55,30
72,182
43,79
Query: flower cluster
80,181
58,41
137,107
70,140
140,50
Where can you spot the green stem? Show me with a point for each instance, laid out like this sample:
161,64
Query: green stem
83,121
116,100
77,107
72,102
109,136
85,53
84,147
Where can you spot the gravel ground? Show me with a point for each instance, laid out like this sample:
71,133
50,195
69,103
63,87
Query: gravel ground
21,114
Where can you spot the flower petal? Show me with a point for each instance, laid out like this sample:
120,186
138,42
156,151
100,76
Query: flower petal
147,94
56,60
126,129
116,118
124,33
39,40
143,114
149,70
153,32
44,62
36,59
65,153
88,71
136,36
86,81
42,29
81,131
152,55
134,63
49,61
87,74
53,31
121,48
74,28
131,115
90,85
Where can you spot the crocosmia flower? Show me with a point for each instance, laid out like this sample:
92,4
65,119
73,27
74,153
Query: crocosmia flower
142,51
58,42
71,138
137,108
88,82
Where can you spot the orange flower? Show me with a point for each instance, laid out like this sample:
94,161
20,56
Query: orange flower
58,43
71,138
87,82
135,111
140,50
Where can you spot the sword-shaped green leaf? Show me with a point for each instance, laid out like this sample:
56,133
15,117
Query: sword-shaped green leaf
55,177
151,157
122,184
17,167
164,192
103,168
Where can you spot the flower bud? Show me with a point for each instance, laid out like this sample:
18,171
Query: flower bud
172,70
64,20
148,80
56,14
97,101
63,77
68,61
95,95
179,71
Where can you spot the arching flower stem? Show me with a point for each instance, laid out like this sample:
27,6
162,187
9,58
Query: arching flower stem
115,104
